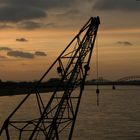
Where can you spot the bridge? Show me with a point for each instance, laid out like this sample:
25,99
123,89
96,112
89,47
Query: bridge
128,80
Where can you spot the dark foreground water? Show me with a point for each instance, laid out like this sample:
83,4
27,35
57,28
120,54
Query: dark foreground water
116,118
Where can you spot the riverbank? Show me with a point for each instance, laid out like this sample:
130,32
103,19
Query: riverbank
17,88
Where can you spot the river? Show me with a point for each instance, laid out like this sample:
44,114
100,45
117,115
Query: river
116,118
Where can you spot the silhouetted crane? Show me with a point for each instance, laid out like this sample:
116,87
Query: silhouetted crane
56,118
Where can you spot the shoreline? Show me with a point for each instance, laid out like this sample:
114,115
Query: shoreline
26,90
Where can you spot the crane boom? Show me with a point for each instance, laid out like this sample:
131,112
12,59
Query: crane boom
56,118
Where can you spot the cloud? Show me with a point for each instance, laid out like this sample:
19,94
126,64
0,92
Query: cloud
59,3
38,53
70,13
32,14
19,10
21,54
5,49
31,25
2,57
5,26
124,5
124,43
21,40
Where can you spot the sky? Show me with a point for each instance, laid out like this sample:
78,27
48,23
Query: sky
34,32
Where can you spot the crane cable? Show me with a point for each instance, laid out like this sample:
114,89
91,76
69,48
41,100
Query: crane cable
97,72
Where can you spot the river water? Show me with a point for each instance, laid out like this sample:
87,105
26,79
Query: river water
116,118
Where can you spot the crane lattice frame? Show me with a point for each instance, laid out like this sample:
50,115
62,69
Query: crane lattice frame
57,118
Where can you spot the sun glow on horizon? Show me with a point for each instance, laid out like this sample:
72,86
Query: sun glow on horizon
119,57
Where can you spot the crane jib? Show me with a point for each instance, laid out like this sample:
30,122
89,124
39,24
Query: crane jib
53,115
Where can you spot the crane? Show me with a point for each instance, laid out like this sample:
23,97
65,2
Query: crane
56,117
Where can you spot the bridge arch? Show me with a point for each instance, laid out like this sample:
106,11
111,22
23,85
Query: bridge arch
130,78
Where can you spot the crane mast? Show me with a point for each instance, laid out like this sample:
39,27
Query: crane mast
55,119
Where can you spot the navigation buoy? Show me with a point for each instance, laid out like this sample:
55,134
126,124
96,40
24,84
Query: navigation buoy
97,93
113,87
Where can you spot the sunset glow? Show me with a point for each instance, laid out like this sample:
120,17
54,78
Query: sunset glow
118,40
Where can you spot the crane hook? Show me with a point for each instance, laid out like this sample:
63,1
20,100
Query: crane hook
97,93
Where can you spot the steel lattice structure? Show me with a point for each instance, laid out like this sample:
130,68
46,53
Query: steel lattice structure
56,118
